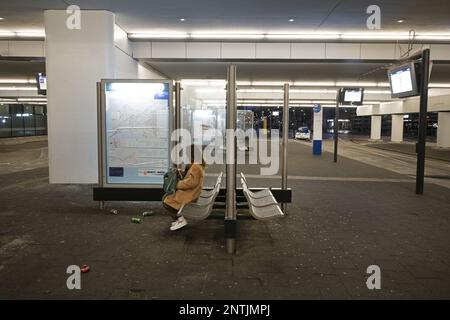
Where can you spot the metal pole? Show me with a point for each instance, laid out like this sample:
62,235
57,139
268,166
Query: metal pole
230,216
421,143
177,122
336,125
285,140
177,105
101,204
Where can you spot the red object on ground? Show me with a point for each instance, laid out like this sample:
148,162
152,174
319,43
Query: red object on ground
85,268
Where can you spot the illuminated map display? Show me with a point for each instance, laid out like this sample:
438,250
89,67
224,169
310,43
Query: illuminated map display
137,132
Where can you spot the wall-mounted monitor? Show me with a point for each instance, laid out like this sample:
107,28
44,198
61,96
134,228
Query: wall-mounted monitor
403,80
41,81
352,96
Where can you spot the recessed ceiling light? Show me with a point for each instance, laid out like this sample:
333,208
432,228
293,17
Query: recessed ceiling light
182,19
291,20
400,21
2,18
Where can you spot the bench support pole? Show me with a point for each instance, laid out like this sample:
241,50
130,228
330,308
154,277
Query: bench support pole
177,119
230,235
285,141
231,214
336,126
421,139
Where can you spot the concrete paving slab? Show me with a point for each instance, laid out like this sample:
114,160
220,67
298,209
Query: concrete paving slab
333,231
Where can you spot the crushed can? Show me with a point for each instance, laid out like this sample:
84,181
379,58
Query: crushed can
136,220
147,213
113,211
85,268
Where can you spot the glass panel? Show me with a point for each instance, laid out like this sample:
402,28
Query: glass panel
203,104
5,121
38,110
203,108
17,120
137,132
4,109
28,121
245,120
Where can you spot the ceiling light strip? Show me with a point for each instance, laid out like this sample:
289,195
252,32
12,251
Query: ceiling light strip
20,34
297,85
370,36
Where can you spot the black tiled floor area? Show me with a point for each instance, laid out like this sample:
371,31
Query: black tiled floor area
334,231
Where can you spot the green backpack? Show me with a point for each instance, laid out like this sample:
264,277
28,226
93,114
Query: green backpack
171,179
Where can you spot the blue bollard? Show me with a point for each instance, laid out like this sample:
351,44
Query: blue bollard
317,147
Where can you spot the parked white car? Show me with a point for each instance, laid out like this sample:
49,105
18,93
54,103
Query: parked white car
303,133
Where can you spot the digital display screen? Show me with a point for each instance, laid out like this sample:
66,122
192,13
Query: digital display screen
352,96
41,82
403,81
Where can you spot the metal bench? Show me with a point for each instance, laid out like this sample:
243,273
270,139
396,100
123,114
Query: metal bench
262,208
258,194
265,213
202,208
261,201
208,193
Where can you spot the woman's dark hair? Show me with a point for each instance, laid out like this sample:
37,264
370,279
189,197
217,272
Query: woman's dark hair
196,155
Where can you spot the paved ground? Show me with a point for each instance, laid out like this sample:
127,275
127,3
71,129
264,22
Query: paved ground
436,171
20,154
345,217
431,152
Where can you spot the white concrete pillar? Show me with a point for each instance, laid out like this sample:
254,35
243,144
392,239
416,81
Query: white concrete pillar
317,129
443,131
375,128
76,60
397,128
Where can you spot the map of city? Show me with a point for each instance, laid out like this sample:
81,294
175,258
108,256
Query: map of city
137,134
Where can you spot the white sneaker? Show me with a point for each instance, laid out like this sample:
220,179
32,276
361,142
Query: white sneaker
180,223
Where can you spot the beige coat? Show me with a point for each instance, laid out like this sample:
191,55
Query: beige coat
188,189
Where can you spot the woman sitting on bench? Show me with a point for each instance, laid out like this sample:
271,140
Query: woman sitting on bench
188,189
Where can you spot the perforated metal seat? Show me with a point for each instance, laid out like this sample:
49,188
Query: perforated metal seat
263,208
208,193
256,194
261,201
201,209
266,213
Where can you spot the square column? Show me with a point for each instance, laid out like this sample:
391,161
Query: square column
397,128
375,128
317,129
76,60
443,131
